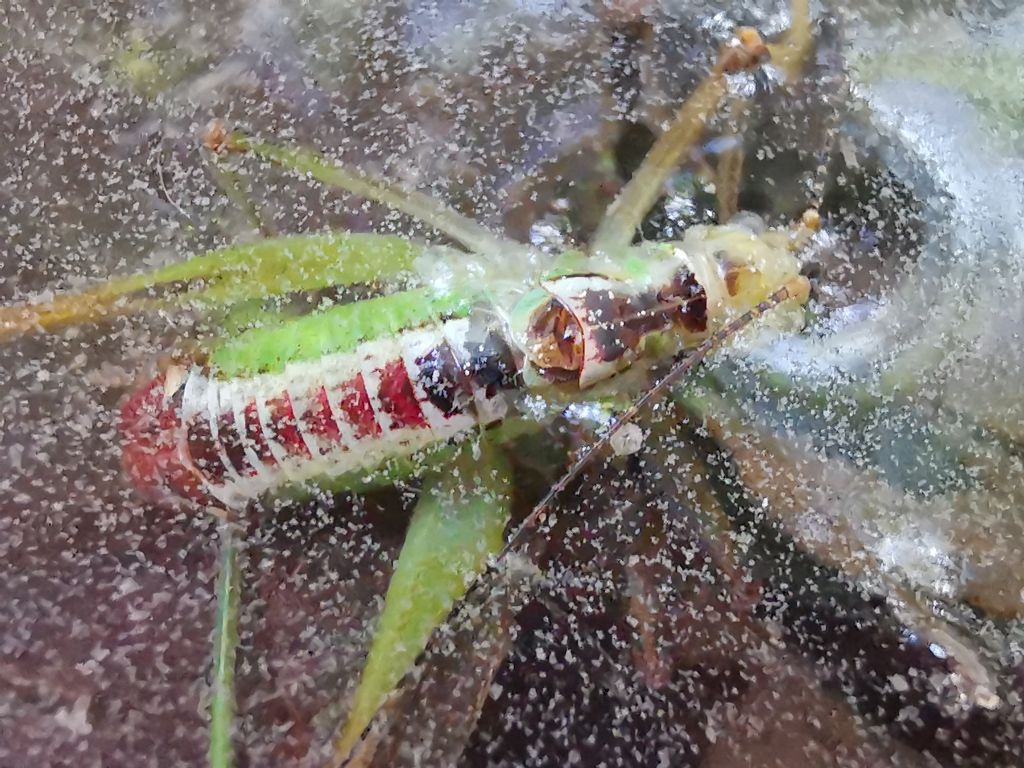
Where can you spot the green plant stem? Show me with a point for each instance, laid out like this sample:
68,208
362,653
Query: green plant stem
225,643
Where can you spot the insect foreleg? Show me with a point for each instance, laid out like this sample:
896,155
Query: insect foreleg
789,55
729,169
638,196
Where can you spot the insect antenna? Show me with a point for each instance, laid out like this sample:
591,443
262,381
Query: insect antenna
796,287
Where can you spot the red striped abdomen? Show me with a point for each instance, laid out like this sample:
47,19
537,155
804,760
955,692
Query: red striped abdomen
229,440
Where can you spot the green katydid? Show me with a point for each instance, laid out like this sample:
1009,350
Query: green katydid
360,388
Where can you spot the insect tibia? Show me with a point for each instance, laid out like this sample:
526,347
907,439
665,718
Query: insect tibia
626,213
792,51
327,171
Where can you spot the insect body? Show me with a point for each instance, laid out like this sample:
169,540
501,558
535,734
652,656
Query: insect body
275,406
351,387
197,434
230,439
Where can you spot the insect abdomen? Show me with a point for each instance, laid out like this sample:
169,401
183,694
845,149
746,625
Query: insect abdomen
241,437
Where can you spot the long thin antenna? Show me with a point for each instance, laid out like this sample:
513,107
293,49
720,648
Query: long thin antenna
627,212
796,287
410,202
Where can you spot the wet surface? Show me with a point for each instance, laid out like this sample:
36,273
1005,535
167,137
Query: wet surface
826,574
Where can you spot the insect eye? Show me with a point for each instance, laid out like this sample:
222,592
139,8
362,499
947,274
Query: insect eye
556,340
